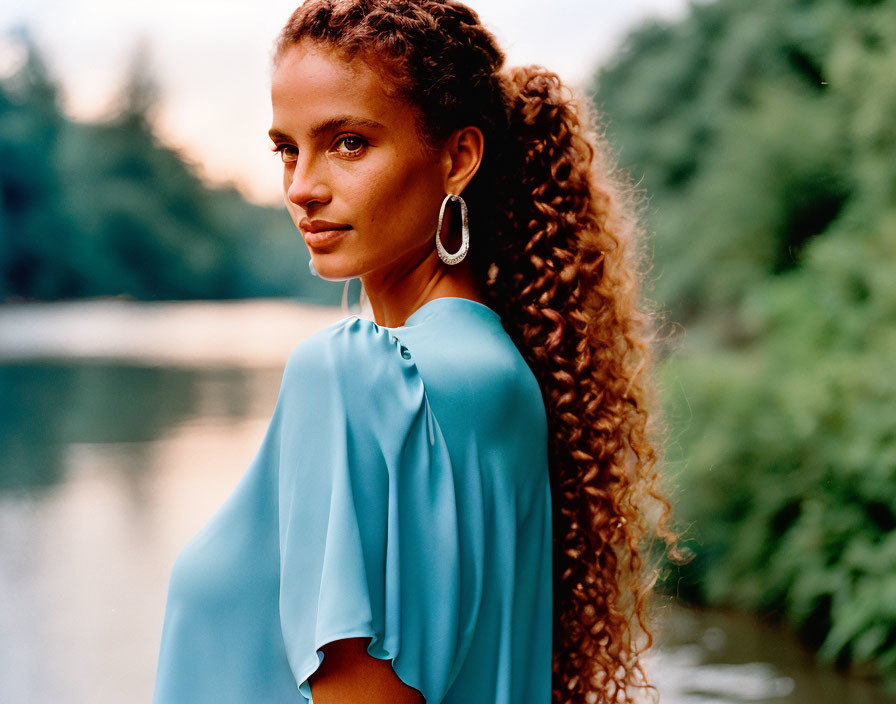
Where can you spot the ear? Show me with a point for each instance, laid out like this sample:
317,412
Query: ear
461,156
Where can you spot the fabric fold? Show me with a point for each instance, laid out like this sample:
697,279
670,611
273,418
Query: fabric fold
374,539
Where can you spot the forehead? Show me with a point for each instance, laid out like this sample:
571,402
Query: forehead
311,82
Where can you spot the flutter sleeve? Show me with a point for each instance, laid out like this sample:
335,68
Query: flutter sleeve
369,525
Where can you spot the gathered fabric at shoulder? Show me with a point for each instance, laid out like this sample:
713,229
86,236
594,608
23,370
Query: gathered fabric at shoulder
372,539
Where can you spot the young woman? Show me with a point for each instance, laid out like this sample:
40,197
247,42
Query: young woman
450,501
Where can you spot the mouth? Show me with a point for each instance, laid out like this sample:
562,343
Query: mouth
322,238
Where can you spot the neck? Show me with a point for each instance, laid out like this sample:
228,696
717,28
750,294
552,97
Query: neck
420,277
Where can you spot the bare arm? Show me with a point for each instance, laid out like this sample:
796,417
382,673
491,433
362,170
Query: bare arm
350,675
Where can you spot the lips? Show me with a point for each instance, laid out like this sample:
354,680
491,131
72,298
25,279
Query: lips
318,233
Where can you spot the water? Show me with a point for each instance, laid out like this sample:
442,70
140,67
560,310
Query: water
719,657
109,467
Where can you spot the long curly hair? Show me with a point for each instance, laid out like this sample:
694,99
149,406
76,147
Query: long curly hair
559,259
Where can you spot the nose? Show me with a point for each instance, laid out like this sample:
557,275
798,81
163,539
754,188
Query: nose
306,184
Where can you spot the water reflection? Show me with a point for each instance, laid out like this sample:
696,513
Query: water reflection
49,407
108,469
719,657
115,468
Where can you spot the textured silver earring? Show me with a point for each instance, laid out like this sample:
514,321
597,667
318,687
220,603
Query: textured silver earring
465,232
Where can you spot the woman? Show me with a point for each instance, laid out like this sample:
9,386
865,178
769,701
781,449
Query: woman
450,500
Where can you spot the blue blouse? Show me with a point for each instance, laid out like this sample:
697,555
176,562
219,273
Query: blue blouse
401,494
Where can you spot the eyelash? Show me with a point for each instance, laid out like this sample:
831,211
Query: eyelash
280,148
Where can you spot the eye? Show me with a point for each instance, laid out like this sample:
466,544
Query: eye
288,152
352,143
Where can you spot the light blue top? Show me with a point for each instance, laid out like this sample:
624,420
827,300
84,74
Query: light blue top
401,493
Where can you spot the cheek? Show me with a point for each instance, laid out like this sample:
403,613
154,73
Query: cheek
395,197
286,179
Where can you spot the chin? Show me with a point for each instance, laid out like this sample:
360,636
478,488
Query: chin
333,272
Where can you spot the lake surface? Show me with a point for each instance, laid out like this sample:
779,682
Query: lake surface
116,450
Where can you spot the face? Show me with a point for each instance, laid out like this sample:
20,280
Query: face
359,184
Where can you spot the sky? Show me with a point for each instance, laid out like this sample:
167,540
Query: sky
211,60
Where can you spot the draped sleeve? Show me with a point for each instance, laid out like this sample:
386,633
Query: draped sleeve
369,525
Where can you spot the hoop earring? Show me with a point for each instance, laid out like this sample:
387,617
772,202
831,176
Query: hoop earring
458,256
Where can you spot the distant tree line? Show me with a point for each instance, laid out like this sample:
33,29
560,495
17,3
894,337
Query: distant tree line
105,209
764,135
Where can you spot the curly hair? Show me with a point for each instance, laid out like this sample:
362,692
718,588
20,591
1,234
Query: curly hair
562,265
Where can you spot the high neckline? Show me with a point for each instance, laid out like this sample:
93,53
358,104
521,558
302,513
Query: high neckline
445,302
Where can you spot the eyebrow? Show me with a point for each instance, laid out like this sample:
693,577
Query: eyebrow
334,123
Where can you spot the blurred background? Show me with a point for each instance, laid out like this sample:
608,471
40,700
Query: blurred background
152,287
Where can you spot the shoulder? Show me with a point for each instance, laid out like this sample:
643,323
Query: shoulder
479,358
355,368
348,394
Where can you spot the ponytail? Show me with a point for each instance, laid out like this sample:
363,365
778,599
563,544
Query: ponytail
565,277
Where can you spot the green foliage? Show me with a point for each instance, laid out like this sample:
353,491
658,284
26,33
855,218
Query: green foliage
788,452
105,209
729,118
766,138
